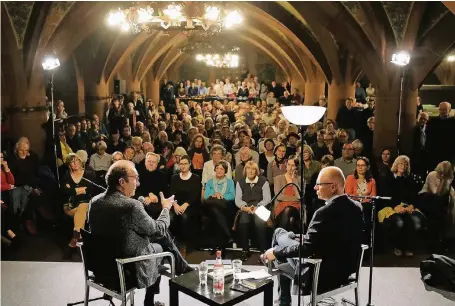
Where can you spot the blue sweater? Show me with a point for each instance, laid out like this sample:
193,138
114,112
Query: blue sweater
229,195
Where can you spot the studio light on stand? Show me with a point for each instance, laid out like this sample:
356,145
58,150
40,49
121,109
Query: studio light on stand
50,63
401,59
301,116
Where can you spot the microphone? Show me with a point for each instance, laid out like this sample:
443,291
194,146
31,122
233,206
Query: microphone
370,197
94,184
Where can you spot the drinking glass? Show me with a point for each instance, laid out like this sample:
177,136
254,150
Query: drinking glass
237,267
203,270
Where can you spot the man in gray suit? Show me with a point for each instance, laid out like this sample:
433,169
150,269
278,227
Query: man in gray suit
122,224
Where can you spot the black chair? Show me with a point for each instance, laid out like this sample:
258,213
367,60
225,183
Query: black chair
351,284
113,276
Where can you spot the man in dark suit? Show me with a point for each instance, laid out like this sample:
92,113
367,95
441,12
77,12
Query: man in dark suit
334,235
419,157
122,221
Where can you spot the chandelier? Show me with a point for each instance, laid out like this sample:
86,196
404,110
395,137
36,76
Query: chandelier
208,47
186,16
227,60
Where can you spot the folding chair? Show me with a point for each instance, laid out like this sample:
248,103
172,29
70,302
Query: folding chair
122,290
352,283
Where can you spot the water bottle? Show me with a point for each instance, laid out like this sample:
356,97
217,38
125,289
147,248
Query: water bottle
218,275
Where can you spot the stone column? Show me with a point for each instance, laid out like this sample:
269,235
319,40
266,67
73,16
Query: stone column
28,124
313,91
144,88
212,76
337,96
133,85
97,98
386,119
251,62
153,88
297,83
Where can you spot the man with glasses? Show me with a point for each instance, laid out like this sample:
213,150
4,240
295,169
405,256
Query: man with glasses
121,228
335,234
347,161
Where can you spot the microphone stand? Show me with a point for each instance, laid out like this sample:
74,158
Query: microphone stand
372,233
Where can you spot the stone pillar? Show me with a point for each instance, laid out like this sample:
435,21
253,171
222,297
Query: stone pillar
386,119
212,76
153,88
97,98
144,87
133,85
313,91
28,124
337,96
297,83
251,62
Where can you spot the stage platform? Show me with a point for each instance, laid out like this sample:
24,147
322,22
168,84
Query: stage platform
57,283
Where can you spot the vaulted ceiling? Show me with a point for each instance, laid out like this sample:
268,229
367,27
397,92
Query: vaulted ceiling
339,40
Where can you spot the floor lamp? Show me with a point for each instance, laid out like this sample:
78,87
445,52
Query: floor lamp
50,63
301,116
400,59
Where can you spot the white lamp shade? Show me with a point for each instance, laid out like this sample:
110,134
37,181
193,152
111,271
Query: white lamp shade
302,114
263,213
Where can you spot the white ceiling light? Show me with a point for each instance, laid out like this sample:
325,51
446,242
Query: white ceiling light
401,59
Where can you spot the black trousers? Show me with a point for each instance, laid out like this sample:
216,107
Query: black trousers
183,226
288,219
220,216
246,222
404,229
150,293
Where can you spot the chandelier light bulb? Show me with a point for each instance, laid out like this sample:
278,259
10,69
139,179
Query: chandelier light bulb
144,15
233,18
125,27
173,11
199,57
212,13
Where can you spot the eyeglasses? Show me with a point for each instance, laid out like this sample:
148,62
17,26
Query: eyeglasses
320,184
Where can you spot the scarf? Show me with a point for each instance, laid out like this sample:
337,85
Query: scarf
217,182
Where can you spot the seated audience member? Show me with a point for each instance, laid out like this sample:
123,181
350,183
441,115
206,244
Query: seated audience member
267,156
335,234
9,221
250,193
198,154
319,148
116,156
293,139
278,165
139,154
311,166
437,202
383,171
332,144
160,142
217,153
186,187
114,143
174,163
399,216
269,134
245,157
218,202
166,153
100,161
247,143
362,183
126,136
24,166
120,223
347,162
287,204
71,138
310,135
129,153
78,193
357,145
314,203
153,181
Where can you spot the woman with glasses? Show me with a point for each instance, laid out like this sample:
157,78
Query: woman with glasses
78,192
400,216
186,187
219,195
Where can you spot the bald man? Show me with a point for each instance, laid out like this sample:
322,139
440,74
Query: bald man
335,234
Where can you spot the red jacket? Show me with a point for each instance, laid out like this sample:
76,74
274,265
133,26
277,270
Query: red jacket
7,180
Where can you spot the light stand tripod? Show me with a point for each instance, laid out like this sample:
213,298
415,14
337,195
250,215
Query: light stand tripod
54,140
372,233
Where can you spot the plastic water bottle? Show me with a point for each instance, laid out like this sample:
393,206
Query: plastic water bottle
218,275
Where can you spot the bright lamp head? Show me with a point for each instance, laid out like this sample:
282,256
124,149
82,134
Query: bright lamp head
401,58
451,58
302,114
50,62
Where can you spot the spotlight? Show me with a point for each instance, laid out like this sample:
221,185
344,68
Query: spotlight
451,58
50,62
401,59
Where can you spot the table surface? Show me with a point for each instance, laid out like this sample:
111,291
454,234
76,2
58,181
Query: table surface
189,284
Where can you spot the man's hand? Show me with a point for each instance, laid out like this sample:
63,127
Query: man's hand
252,210
153,198
269,255
79,190
147,201
399,209
183,208
218,196
177,208
166,203
246,209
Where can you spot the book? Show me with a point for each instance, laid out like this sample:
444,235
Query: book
253,283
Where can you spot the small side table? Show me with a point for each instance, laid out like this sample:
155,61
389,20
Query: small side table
189,284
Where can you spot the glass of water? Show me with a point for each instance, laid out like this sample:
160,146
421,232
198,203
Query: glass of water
203,270
237,267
